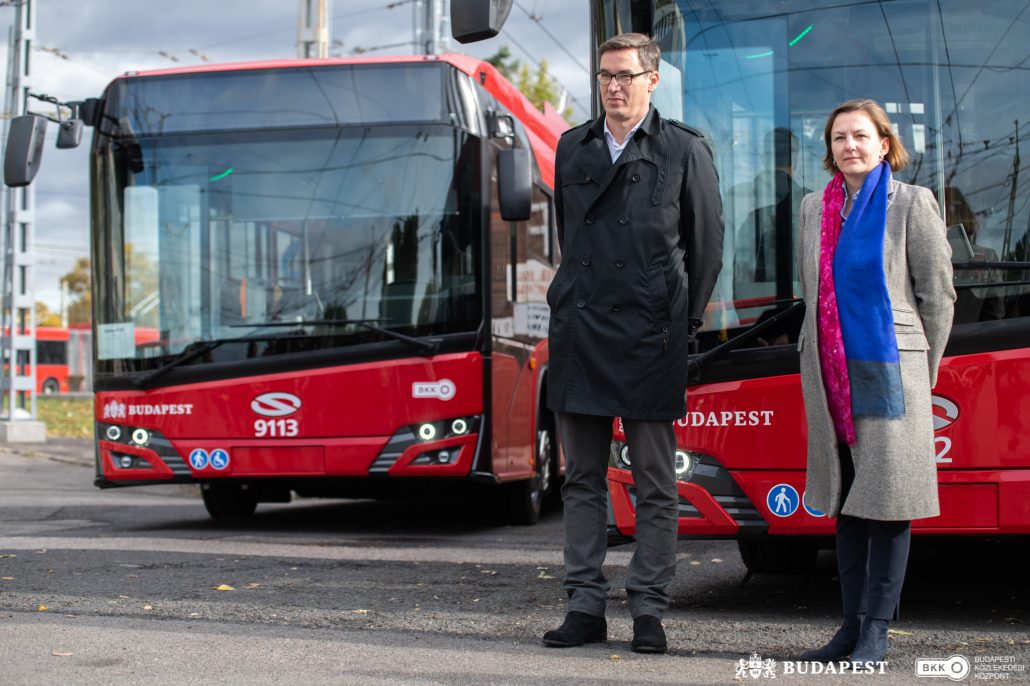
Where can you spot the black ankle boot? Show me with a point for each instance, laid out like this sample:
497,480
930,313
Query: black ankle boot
841,645
648,635
577,629
872,642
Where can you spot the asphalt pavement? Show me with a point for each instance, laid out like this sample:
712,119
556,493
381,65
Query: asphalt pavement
138,585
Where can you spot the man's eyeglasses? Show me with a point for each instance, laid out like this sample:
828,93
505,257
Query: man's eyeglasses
623,78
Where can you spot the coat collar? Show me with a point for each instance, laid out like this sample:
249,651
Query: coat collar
650,126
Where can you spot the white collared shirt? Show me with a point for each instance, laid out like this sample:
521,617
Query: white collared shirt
614,148
853,199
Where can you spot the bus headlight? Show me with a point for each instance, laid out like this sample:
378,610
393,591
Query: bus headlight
140,436
113,433
459,427
427,431
684,465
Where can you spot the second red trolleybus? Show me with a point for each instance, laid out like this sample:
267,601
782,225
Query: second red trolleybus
345,264
759,79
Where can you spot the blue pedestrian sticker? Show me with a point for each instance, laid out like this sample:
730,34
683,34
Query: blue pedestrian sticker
783,500
808,508
219,459
198,458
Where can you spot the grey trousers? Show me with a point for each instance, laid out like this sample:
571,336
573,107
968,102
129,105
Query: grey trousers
586,440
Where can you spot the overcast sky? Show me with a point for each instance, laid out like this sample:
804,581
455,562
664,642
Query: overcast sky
104,38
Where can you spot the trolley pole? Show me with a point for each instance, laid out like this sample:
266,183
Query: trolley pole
18,308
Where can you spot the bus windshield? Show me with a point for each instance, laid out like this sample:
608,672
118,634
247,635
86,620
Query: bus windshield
758,79
214,235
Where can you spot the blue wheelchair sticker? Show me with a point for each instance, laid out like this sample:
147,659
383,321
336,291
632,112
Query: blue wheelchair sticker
783,500
198,458
808,508
219,459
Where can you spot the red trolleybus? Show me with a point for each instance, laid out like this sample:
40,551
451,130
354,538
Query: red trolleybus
341,304
759,78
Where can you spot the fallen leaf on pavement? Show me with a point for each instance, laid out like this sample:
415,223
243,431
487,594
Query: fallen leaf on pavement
58,653
899,632
42,608
544,575
488,571
616,657
715,559
695,563
252,586
7,578
148,607
360,612
223,587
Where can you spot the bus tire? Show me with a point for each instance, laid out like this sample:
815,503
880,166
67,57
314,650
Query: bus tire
523,501
51,387
226,501
778,555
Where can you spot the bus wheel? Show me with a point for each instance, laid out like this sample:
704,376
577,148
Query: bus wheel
51,387
778,555
225,501
524,500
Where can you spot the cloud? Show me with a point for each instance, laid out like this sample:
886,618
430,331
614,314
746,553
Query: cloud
105,38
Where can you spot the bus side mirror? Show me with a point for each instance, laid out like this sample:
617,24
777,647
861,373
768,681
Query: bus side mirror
476,20
24,149
514,184
69,135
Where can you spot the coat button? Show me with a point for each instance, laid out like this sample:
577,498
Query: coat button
616,308
585,262
588,179
635,177
620,263
624,220
581,304
590,219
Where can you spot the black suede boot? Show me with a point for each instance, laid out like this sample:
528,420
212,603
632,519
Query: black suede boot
577,629
841,645
872,642
648,635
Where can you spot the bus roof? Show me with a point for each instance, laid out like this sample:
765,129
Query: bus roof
543,129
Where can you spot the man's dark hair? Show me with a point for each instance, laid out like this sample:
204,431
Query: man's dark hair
647,50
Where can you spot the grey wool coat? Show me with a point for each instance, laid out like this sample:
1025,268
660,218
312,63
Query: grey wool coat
895,466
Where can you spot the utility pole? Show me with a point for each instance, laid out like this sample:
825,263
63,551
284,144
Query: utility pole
432,26
313,28
17,309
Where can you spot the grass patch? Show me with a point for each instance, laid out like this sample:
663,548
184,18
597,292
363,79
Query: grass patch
64,417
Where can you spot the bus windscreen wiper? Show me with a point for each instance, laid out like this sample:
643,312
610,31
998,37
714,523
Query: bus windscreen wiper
188,355
429,347
698,362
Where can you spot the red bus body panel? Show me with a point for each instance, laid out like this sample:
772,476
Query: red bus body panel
756,429
345,418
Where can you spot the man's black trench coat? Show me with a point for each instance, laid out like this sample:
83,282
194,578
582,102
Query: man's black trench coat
641,244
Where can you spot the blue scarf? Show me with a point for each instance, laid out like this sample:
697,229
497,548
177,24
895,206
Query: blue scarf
864,305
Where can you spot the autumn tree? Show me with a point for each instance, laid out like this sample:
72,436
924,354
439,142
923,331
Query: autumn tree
44,317
537,85
77,281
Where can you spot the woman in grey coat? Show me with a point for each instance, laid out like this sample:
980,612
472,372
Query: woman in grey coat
876,273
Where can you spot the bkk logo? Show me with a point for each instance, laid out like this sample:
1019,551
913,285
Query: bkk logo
444,389
275,404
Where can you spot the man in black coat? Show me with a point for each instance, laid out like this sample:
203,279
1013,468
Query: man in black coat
640,228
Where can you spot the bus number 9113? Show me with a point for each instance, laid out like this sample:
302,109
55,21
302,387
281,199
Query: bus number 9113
271,428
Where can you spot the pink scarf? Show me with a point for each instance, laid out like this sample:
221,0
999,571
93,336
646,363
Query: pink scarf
832,360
